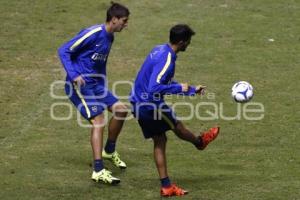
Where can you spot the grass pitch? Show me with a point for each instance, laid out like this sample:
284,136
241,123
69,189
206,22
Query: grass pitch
256,40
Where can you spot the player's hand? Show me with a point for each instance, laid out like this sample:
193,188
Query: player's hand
79,81
184,87
200,89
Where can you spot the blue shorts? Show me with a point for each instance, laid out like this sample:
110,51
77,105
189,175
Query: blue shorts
91,99
154,119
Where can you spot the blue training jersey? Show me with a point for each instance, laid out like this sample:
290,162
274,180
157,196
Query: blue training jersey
155,78
86,54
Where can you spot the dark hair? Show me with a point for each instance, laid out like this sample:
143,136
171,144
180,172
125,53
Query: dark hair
180,32
116,10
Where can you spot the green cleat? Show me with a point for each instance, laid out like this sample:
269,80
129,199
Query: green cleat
114,158
105,176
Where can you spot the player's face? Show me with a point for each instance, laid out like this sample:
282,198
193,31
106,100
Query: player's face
120,23
184,45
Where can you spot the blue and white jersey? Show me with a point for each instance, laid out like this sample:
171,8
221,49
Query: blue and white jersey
86,54
155,78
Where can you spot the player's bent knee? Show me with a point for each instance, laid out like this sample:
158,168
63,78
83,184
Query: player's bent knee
121,110
98,121
118,106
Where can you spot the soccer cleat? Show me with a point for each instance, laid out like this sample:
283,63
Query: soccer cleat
172,190
208,136
114,158
105,176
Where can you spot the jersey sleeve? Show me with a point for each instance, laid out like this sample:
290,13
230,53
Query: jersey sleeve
162,72
190,92
68,51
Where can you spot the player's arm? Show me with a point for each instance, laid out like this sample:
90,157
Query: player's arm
161,72
65,56
188,90
174,82
68,52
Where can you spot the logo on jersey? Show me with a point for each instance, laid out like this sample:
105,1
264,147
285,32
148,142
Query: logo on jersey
94,108
99,57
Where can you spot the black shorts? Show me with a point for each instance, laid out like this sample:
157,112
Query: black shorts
154,119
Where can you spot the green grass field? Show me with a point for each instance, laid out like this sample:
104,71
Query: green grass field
41,158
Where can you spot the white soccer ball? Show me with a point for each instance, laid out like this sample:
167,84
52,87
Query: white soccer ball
242,91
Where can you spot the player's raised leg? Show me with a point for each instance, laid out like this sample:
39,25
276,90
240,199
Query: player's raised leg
99,173
200,141
119,111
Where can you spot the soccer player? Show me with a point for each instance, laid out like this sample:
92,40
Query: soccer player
155,117
84,58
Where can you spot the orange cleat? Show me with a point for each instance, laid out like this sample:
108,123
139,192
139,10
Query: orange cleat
208,136
173,190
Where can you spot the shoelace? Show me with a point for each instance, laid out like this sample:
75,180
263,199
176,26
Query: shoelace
178,191
116,158
107,173
106,176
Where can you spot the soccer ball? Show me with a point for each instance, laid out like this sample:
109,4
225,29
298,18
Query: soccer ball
242,91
